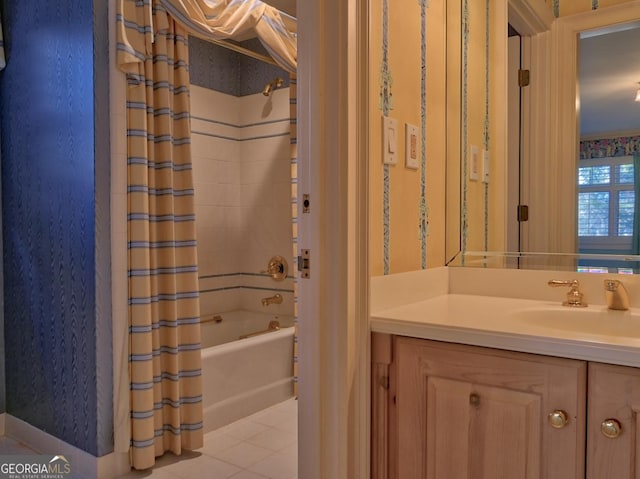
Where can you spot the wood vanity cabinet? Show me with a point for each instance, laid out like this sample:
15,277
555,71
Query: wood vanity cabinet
613,438
450,411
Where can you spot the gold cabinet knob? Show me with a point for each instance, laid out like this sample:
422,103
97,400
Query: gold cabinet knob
558,419
611,428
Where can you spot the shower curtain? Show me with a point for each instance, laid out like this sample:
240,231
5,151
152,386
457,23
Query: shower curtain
293,135
164,328
164,316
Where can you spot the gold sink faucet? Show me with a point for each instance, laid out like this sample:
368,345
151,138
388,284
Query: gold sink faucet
616,295
574,296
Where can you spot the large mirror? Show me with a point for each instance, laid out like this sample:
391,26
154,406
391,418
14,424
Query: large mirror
558,153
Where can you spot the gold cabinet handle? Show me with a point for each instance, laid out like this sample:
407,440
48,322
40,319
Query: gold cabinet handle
558,419
611,428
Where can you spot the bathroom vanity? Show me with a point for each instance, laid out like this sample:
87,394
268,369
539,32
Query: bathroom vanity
468,385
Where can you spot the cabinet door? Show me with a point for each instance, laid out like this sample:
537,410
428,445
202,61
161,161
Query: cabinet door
468,412
613,425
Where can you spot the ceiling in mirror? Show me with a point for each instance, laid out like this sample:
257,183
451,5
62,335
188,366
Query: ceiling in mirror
609,75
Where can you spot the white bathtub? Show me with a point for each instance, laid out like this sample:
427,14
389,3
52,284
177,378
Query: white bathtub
243,376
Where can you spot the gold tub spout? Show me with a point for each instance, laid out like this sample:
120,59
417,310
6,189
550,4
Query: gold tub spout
275,299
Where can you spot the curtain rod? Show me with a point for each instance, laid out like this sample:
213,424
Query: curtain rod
239,49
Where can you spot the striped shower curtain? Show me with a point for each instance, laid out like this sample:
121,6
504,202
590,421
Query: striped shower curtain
293,134
164,352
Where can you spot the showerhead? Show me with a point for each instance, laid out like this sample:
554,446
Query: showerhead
272,85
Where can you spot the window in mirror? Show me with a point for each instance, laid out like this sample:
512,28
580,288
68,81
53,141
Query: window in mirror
603,269
609,131
606,204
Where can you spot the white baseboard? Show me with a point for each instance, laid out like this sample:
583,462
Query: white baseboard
83,464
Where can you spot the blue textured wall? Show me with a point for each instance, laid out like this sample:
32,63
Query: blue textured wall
218,68
49,219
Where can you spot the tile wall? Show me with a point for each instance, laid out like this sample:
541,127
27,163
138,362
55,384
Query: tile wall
241,168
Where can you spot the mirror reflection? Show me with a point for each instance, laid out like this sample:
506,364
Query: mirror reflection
609,126
562,194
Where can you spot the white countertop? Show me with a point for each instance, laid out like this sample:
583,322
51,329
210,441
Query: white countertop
490,321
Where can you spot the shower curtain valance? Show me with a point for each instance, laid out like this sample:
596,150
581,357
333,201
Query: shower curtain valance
234,19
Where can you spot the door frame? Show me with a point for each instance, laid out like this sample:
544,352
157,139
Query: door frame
533,19
333,303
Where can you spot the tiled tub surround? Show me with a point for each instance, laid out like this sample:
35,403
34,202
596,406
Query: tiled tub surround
241,169
479,306
241,166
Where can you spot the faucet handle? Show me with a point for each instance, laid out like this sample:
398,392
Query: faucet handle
277,268
574,296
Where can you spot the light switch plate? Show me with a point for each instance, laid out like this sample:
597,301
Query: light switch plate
412,138
389,140
474,163
485,166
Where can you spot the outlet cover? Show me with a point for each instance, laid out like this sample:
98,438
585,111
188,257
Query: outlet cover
412,137
474,163
485,166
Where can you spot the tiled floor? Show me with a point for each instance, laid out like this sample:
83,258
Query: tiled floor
263,445
9,446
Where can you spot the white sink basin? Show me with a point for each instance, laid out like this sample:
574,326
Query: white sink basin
590,320
593,333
